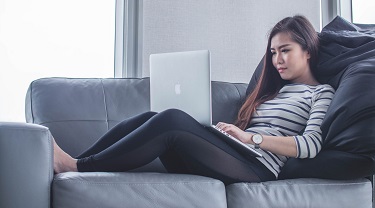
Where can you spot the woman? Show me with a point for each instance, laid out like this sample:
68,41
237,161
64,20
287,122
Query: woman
282,117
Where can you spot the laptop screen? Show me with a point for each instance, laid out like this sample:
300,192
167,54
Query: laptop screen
182,80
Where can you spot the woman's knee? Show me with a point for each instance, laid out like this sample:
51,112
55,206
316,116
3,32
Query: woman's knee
174,116
149,114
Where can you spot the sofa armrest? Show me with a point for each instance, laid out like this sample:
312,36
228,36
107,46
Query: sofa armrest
26,163
372,179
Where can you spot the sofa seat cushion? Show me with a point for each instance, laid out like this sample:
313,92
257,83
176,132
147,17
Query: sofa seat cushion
301,193
100,189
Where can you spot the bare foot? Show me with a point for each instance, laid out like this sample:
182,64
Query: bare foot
62,161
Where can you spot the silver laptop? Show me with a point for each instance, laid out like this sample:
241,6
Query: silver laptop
182,80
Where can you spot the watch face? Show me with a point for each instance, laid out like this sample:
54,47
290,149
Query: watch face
257,139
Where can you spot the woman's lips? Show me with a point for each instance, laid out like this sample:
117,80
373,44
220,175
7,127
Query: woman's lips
281,70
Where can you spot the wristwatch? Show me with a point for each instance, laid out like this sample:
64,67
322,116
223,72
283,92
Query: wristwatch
257,139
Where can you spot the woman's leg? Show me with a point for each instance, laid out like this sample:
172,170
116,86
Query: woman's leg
183,145
64,162
116,133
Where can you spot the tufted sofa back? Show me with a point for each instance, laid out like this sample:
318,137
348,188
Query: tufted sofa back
78,111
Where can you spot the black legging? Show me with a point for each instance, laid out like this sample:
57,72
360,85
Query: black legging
182,144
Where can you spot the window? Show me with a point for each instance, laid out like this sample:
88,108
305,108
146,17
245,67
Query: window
363,11
50,38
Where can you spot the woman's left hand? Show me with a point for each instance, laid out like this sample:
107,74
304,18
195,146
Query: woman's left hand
236,132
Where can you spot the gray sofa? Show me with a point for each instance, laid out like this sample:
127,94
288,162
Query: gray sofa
78,111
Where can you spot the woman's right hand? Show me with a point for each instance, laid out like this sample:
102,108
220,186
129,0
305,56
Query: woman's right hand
236,132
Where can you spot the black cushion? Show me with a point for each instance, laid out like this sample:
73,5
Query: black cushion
347,63
255,78
349,124
329,164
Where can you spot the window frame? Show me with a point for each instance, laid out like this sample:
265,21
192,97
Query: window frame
332,8
128,39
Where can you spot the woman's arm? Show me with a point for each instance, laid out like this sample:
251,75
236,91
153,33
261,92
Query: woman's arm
310,142
306,145
280,145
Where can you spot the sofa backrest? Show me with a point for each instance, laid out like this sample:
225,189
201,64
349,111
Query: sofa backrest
78,111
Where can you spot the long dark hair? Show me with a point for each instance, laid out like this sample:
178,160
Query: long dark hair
270,82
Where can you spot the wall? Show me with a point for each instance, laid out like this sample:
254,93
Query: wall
234,31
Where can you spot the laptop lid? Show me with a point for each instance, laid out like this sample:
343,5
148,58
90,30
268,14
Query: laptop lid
182,80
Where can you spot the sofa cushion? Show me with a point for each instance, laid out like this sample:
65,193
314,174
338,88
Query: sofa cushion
136,190
347,62
79,111
255,77
227,99
301,193
329,164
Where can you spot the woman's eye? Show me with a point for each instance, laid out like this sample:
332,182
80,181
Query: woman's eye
285,50
273,53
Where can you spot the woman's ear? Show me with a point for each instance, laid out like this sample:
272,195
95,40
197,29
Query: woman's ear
308,54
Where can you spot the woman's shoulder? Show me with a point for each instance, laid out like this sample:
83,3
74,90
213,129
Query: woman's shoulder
323,91
324,88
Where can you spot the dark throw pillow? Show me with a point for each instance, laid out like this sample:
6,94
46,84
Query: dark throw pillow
254,79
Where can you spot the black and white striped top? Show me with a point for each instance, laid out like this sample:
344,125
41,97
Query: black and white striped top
298,111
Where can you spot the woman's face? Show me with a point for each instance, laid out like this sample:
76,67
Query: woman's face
290,60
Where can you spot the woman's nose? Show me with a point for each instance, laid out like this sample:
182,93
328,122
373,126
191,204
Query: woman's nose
279,59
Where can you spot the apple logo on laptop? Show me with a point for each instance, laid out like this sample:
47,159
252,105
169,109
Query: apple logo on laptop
177,89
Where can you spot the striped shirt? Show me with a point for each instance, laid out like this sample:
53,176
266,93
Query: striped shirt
298,110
